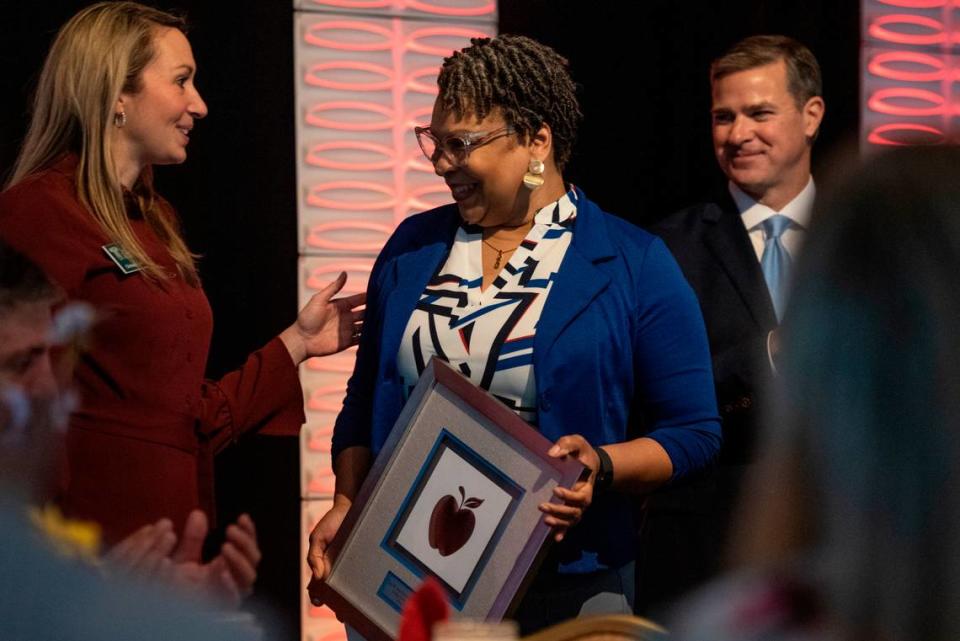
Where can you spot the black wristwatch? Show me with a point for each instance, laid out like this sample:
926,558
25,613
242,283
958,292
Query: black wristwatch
604,474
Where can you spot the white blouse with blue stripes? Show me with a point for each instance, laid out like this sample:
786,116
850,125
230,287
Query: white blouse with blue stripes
488,335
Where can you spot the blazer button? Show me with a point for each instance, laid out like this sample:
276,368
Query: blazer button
746,402
544,403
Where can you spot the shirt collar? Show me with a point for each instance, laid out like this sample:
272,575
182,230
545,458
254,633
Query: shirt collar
558,211
753,213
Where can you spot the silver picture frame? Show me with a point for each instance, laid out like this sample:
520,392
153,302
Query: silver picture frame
453,495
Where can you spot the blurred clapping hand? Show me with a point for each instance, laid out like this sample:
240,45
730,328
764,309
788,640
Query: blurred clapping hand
153,552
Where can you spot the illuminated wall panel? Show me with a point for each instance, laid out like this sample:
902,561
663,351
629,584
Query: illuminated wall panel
324,379
911,72
461,10
364,83
365,73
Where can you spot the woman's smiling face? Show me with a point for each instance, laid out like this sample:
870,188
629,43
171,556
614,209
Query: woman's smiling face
162,113
488,184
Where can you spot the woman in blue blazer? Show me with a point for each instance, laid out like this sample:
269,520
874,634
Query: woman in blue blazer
577,320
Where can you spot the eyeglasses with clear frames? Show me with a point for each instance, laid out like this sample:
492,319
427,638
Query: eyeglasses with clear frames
456,148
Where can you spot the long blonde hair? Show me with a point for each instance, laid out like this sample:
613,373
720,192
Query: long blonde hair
98,54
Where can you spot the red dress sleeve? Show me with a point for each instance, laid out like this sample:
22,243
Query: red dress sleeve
263,396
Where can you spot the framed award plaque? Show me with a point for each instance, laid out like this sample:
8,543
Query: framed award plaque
453,495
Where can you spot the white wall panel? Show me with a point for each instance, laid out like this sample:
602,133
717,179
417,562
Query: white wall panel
365,75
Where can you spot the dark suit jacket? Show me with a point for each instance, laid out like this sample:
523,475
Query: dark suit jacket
685,525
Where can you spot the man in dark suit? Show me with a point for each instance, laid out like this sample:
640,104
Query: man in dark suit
736,252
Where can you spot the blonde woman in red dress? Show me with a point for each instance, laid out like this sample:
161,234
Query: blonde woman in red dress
115,97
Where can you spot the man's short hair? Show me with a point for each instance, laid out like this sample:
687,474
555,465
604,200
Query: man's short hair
21,281
803,71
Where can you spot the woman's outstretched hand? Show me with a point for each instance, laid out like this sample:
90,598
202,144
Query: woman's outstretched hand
325,325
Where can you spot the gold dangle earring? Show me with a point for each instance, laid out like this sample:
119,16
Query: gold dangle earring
120,119
534,176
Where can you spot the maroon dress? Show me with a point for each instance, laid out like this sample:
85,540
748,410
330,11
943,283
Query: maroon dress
140,445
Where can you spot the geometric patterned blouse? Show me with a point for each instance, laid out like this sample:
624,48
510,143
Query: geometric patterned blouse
488,335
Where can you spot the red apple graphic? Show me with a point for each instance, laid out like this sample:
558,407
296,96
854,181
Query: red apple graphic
451,524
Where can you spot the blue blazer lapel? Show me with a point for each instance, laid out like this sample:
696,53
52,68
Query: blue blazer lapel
579,280
411,273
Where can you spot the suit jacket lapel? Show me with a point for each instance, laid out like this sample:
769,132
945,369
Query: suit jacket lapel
730,245
578,280
411,273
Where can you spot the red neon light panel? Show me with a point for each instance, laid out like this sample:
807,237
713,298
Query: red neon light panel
910,72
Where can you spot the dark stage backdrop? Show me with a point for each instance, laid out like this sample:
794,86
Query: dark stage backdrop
644,151
644,147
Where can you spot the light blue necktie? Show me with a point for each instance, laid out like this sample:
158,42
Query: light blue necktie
776,262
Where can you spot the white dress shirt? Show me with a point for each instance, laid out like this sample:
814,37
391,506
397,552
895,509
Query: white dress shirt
753,214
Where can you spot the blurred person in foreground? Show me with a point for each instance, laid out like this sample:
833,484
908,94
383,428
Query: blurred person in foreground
570,316
850,527
46,593
116,97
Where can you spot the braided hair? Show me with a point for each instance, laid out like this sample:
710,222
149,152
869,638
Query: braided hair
527,81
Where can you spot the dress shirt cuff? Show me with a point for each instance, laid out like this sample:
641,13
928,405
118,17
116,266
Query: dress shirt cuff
773,365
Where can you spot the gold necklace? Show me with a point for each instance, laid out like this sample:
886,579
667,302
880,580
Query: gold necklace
500,252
